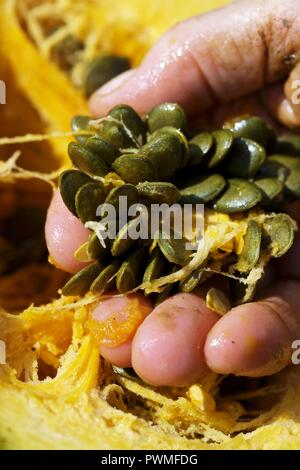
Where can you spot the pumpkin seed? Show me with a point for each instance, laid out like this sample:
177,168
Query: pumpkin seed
167,151
289,145
94,249
245,158
135,168
80,283
167,114
218,301
196,278
252,247
102,69
174,249
203,189
127,373
129,274
80,123
123,242
253,128
270,188
279,234
70,181
241,195
155,266
86,160
82,255
129,131
159,193
126,190
106,279
88,198
223,140
199,146
286,169
103,149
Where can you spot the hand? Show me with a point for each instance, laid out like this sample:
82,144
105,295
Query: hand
226,62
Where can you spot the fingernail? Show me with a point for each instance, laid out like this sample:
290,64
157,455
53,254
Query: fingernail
114,84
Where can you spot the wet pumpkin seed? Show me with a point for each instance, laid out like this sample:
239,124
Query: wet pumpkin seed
155,267
253,128
245,158
128,131
241,195
159,193
199,146
80,123
86,160
175,250
279,234
127,373
196,278
80,283
88,198
206,189
286,169
123,241
218,301
130,273
82,254
252,248
223,140
128,191
103,149
270,188
95,249
135,168
102,69
289,145
106,279
70,181
167,114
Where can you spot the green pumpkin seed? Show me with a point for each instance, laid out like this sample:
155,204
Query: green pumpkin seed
103,149
167,114
102,69
251,250
81,123
88,198
123,242
94,248
80,283
286,169
159,193
129,274
106,279
203,189
126,190
196,278
245,158
129,131
223,140
70,181
82,255
279,234
241,195
289,145
253,128
155,267
86,160
218,301
167,151
127,373
173,249
135,169
199,146
270,188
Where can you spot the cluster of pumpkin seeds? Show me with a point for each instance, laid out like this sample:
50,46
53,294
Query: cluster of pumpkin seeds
240,169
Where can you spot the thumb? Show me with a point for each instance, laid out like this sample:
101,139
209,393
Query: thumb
212,59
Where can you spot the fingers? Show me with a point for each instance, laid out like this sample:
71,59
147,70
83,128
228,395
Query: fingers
212,59
64,234
168,346
119,309
255,339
